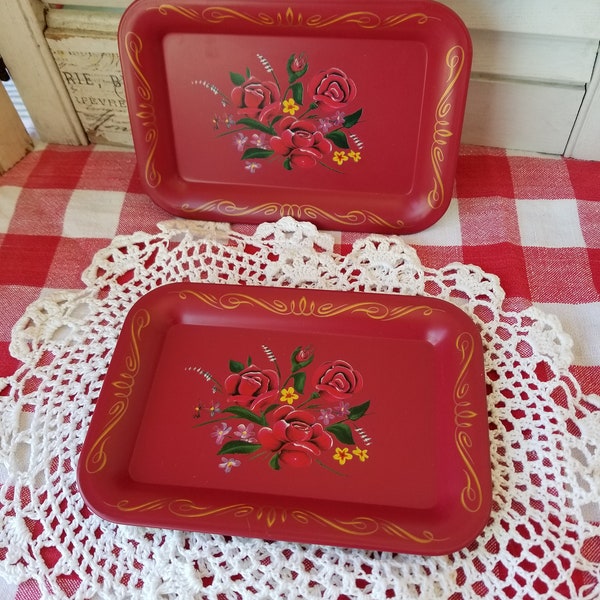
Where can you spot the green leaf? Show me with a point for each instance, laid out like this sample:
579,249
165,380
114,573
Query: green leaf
356,412
338,138
287,164
274,462
352,119
247,72
249,361
254,124
236,366
238,447
342,432
236,78
298,92
299,381
256,153
245,413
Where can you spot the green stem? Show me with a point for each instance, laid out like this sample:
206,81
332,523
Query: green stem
214,421
311,106
331,469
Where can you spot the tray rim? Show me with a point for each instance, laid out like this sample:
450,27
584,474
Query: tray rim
174,508
238,203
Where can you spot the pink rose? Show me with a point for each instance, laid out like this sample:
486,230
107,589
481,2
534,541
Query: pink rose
256,99
338,380
300,142
332,88
295,435
252,387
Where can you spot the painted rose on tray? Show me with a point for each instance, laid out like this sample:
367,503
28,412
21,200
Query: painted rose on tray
301,143
294,437
258,412
252,387
333,88
337,380
256,99
299,124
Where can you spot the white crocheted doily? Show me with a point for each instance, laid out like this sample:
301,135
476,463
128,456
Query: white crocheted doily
543,537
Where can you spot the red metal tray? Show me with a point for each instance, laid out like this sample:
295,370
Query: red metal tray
347,114
356,420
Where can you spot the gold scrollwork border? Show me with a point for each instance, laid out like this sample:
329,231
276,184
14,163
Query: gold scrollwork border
471,497
96,458
455,60
298,211
364,19
145,110
308,308
271,515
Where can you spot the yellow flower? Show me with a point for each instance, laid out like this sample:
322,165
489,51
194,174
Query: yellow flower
362,454
288,395
290,106
340,157
342,455
355,156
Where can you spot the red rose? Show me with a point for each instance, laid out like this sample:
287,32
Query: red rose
256,99
295,435
252,387
297,63
300,142
337,380
332,88
302,356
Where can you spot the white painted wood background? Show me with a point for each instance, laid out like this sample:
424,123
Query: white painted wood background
535,84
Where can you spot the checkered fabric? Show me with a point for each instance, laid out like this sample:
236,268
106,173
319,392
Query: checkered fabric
533,221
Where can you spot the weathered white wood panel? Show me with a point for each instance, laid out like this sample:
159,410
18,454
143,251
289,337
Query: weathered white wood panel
26,53
14,139
573,18
585,140
89,65
533,57
533,63
521,115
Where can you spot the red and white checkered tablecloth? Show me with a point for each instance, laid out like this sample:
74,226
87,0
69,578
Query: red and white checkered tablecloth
533,221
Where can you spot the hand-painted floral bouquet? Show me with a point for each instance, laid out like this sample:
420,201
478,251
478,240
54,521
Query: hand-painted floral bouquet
303,123
259,412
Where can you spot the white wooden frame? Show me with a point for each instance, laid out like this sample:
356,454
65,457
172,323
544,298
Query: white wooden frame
14,139
585,138
36,76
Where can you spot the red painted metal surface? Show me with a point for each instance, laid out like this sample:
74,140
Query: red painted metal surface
346,114
334,418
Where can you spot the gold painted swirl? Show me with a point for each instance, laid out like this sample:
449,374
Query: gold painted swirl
362,526
96,458
471,495
455,60
309,308
145,111
364,19
229,208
